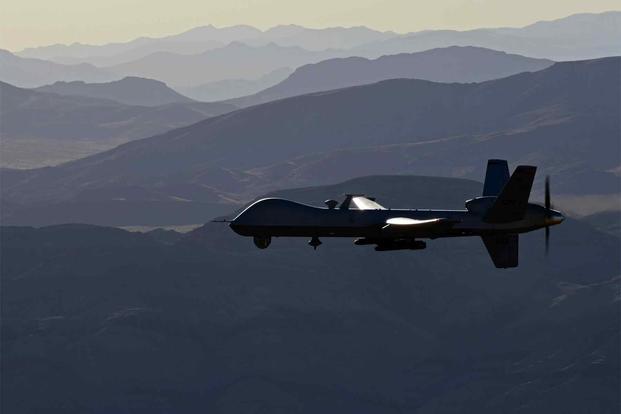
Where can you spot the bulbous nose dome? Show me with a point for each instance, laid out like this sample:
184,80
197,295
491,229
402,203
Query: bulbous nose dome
554,217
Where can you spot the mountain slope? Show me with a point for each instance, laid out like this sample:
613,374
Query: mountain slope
236,60
41,128
234,88
128,91
196,40
203,38
551,118
321,39
30,73
97,317
452,64
580,36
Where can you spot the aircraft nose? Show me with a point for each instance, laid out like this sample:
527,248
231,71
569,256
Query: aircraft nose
554,217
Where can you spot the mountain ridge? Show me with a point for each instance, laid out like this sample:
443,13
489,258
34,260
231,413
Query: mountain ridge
452,64
410,127
39,128
32,72
235,60
130,90
591,43
589,38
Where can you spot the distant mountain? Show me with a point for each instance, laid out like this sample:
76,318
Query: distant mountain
129,91
234,88
29,73
98,317
452,64
203,38
580,36
289,36
563,119
196,40
320,39
236,60
606,222
39,128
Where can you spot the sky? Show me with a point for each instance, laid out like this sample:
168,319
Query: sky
29,23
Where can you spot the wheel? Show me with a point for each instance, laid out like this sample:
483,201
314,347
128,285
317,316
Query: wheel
262,242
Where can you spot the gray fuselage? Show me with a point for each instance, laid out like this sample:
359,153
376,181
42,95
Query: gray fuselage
278,217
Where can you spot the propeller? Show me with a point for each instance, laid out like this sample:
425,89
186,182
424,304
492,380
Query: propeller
548,213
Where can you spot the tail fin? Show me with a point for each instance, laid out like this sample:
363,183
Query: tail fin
510,205
496,177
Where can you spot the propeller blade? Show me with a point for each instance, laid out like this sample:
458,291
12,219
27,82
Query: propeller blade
547,239
548,204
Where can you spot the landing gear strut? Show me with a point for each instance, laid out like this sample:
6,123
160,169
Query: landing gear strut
314,242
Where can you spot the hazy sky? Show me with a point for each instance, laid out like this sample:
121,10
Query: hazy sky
26,23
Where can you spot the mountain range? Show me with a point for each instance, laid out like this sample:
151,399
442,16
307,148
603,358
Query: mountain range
30,72
100,319
579,36
563,119
234,61
451,64
234,88
129,91
42,128
203,38
237,55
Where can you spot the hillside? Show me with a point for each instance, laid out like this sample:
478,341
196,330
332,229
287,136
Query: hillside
30,73
128,91
96,317
39,128
233,61
202,38
452,64
234,88
550,118
579,36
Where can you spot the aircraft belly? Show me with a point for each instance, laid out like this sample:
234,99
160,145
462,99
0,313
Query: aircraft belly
306,231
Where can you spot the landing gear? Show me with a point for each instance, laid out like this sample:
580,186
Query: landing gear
262,242
314,242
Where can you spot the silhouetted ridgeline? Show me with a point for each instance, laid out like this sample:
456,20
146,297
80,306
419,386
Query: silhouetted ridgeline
97,319
41,128
451,64
29,73
203,38
234,88
564,119
129,91
579,36
233,61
